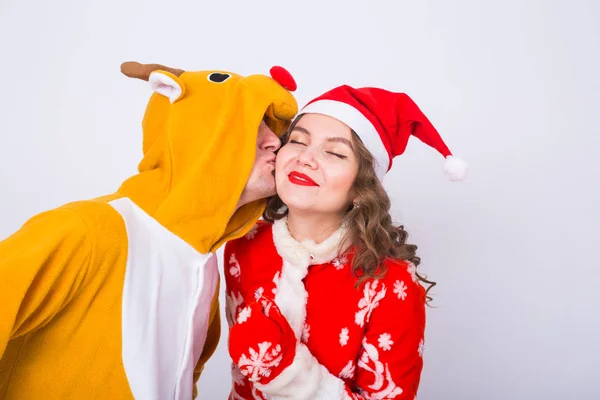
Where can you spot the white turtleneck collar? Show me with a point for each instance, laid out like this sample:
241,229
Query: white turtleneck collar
290,294
306,252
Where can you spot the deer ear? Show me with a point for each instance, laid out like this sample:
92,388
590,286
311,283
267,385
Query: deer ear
167,84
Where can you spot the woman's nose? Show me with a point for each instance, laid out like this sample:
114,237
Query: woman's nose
307,158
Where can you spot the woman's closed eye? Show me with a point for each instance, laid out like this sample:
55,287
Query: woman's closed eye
337,155
333,153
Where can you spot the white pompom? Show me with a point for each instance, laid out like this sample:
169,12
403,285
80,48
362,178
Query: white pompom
455,169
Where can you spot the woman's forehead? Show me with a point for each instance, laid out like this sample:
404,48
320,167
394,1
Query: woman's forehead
323,127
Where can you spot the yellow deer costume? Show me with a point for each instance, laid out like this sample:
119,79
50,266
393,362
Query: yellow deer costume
117,297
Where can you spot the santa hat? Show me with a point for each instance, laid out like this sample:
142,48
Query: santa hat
384,121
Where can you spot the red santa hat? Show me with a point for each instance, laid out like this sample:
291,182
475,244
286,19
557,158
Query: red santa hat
384,121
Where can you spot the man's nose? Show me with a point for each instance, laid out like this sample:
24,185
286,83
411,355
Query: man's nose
270,142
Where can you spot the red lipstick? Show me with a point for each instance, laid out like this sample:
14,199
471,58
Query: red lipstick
298,178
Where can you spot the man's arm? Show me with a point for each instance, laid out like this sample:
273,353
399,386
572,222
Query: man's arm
41,267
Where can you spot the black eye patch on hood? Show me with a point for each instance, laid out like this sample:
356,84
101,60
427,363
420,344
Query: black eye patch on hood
218,77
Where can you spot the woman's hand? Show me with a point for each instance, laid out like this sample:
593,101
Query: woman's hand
262,342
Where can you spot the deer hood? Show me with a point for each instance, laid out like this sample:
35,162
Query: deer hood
199,143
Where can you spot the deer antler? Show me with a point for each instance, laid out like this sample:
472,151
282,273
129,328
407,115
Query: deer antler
134,69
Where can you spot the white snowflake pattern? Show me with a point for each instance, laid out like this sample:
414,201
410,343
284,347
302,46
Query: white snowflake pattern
344,336
233,302
244,315
259,363
234,267
400,289
385,341
305,333
236,375
238,380
348,371
257,395
384,385
339,263
276,280
421,348
266,306
252,233
369,302
234,395
258,293
412,270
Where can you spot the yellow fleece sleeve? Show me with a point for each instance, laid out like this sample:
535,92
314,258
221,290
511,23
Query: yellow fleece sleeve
41,267
212,340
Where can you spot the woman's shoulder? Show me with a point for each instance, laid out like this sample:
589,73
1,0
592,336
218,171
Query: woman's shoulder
400,278
252,256
256,246
399,269
261,230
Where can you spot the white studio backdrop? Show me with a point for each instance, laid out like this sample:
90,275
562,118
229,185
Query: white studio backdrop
512,86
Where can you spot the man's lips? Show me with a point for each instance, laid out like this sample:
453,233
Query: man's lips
301,179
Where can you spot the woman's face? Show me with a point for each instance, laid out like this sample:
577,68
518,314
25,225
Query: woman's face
315,170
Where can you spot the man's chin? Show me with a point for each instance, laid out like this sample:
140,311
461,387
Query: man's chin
260,187
268,187
271,193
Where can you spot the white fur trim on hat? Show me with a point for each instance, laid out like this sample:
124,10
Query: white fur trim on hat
360,124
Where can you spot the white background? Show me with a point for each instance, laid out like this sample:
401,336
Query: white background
513,86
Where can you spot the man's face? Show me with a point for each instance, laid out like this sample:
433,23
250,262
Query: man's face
261,183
